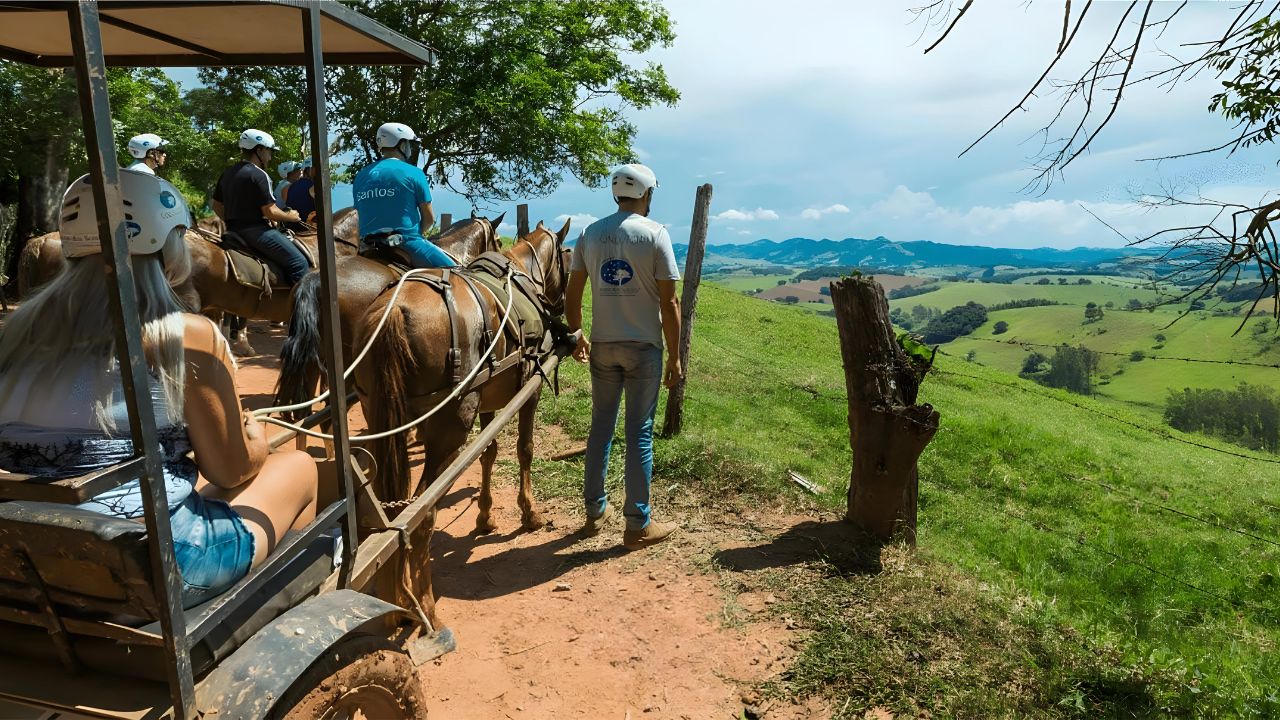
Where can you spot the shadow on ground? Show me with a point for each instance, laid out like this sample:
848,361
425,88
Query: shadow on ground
836,544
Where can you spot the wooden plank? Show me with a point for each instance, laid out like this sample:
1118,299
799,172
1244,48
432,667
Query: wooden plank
674,417
446,221
522,220
69,491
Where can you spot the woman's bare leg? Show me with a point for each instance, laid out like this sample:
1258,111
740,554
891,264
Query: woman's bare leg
281,498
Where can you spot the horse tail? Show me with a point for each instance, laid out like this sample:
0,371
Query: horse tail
301,369
384,401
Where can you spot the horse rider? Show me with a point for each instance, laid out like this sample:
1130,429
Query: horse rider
629,261
244,201
393,200
301,195
149,152
289,171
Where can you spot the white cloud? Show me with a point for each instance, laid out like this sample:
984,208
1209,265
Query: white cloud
507,228
744,232
817,213
747,215
577,221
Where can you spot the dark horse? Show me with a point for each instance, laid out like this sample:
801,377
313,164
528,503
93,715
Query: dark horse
411,368
360,281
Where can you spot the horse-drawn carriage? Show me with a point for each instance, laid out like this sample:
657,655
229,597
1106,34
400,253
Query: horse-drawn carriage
332,624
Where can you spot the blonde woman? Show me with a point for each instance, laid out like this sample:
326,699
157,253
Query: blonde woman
63,413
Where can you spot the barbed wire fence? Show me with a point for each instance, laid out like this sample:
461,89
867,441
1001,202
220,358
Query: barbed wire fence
762,372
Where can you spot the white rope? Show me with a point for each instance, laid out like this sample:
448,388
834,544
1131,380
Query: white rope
457,390
355,363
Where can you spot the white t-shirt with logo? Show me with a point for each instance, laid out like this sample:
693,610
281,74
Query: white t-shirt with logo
142,167
625,255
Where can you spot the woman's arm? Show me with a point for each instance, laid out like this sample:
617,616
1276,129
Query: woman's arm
230,446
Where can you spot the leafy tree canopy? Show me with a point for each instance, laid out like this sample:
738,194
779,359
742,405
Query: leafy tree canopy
524,91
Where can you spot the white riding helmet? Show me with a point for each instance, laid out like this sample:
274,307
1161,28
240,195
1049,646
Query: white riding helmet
250,139
140,145
390,134
152,209
633,181
287,167
306,163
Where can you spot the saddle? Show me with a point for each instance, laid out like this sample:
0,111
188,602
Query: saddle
528,306
256,272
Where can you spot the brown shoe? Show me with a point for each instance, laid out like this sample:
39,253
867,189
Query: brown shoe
594,525
652,534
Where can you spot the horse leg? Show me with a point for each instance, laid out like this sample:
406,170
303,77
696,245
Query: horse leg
530,518
485,523
240,338
447,438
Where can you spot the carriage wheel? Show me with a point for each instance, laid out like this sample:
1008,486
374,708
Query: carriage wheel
361,678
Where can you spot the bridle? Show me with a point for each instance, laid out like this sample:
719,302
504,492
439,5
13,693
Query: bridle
539,277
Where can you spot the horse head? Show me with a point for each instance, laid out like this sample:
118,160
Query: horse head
541,254
469,238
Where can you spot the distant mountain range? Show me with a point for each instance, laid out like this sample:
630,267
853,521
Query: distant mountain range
883,253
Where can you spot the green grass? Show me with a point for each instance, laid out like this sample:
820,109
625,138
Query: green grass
958,293
1013,498
746,282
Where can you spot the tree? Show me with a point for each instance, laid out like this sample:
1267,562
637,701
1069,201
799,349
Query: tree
522,93
1033,363
1243,50
1072,369
781,283
1249,415
1044,281
959,320
1135,304
1000,328
1137,356
1092,313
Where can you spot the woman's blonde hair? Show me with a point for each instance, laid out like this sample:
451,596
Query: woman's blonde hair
67,324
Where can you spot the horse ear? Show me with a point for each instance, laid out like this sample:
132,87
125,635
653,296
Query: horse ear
497,221
473,214
564,231
541,224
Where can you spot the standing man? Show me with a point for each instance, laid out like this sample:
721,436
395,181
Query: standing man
301,196
149,152
393,199
633,273
289,173
244,201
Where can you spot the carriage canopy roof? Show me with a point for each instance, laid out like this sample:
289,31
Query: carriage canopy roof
167,33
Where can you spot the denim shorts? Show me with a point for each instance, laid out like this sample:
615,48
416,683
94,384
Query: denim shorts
213,546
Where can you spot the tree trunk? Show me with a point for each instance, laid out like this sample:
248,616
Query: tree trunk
674,417
887,430
40,191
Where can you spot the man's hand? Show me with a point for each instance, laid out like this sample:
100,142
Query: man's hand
582,351
293,216
674,373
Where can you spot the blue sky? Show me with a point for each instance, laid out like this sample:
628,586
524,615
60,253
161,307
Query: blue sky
824,119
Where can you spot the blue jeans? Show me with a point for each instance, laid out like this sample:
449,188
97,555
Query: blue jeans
425,254
636,369
213,547
279,249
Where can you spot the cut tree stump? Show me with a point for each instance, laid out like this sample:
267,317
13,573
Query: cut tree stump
887,429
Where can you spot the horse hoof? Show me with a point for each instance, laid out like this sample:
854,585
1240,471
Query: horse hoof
533,521
485,525
243,348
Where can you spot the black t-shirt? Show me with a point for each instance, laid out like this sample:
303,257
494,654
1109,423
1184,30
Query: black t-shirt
243,189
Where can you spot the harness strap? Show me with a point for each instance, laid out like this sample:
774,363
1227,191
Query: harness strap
487,333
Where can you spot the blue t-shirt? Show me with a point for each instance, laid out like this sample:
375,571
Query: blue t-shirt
387,195
299,197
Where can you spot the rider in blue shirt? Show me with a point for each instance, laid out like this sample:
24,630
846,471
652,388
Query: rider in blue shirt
393,199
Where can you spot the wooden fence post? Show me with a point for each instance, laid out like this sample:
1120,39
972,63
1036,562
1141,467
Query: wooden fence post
446,219
674,417
887,430
522,220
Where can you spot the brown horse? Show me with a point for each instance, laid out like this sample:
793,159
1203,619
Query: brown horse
360,281
42,260
411,368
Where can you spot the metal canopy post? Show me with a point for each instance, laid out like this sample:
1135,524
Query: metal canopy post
91,78
332,333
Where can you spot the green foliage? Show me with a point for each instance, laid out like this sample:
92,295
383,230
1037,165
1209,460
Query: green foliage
1072,369
523,93
1251,97
1093,312
1034,363
1249,415
959,320
1015,304
913,290
1001,327
1137,356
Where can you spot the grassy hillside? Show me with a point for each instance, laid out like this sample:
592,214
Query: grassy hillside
1068,524
957,293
